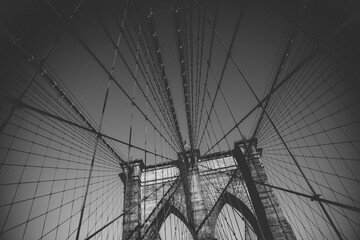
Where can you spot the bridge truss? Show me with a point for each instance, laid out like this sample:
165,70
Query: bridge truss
89,86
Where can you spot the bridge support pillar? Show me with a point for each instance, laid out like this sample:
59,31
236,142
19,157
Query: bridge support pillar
206,232
195,203
132,193
272,222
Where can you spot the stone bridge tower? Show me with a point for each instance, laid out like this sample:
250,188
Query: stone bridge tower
235,177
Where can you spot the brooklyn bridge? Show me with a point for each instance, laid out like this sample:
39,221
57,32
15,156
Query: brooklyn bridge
179,119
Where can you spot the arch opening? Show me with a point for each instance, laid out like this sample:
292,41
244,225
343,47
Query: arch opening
174,228
230,223
235,219
169,223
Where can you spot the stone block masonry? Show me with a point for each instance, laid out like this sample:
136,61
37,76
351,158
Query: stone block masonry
196,190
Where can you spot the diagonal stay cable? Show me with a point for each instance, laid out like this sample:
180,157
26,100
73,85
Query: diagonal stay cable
164,77
311,197
92,54
284,58
170,191
155,73
99,130
22,104
125,212
276,88
129,70
181,44
224,67
44,74
159,96
208,64
31,59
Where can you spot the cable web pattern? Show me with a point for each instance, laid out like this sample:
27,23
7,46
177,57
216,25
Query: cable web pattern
89,89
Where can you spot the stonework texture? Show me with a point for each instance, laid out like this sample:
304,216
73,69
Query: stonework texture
196,194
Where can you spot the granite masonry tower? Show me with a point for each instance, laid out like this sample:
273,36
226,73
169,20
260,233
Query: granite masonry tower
195,190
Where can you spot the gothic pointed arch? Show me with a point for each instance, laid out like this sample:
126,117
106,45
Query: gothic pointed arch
153,229
240,206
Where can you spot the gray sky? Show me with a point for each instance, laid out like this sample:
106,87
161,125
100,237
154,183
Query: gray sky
315,112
